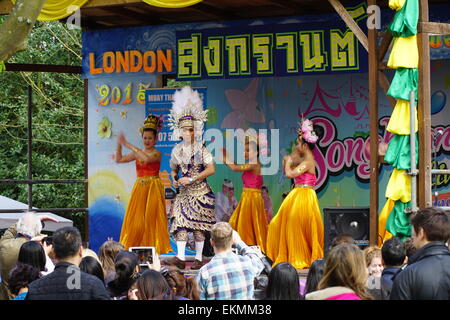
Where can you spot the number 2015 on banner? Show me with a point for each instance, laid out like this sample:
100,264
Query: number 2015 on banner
114,96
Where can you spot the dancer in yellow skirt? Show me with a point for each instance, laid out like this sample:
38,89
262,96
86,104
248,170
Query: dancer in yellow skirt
145,222
296,232
249,218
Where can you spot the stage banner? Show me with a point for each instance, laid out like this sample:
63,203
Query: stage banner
284,46
269,50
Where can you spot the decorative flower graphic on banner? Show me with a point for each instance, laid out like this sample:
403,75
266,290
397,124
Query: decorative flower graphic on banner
104,128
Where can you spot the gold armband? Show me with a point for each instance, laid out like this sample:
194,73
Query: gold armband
135,149
244,167
301,168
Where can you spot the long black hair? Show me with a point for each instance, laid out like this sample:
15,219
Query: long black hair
32,253
315,274
283,283
91,265
125,265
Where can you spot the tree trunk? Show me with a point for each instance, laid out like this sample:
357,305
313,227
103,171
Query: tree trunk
17,26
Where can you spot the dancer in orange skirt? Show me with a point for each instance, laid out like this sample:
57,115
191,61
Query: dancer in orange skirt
249,218
296,232
145,222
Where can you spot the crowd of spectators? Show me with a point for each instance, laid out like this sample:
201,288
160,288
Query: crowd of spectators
57,267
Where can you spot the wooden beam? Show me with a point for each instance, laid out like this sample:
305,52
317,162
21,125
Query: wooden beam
343,13
131,15
386,39
424,113
213,12
295,7
385,84
373,120
434,28
16,67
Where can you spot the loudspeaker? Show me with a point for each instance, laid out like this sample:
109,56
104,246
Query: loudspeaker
353,221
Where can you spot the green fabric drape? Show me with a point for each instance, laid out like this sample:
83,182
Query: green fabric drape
405,80
405,20
398,221
398,152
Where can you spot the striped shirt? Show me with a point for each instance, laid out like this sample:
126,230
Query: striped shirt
229,276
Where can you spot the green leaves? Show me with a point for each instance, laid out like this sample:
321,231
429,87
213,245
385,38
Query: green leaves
58,119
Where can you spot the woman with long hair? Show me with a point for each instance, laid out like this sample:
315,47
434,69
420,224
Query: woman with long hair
249,218
145,222
283,283
107,255
345,275
296,232
126,266
315,274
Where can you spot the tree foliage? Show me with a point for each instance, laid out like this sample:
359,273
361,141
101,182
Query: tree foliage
58,106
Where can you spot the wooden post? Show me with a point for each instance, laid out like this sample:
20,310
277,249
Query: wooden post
373,115
424,113
85,160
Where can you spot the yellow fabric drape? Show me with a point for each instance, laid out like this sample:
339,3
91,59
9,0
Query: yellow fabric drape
172,3
405,53
399,122
59,9
399,186
383,234
396,4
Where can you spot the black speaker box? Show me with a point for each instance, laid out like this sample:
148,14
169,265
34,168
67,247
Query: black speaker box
352,221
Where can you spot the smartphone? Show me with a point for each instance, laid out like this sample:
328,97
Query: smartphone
145,254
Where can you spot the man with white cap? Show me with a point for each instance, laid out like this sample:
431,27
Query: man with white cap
225,201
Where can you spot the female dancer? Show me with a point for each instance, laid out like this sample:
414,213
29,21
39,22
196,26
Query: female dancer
296,233
145,222
249,218
193,209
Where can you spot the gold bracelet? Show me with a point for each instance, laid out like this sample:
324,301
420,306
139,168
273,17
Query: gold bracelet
135,149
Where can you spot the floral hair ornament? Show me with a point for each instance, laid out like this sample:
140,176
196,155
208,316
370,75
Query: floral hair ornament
306,131
153,122
187,111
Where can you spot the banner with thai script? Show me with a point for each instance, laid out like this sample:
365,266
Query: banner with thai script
285,46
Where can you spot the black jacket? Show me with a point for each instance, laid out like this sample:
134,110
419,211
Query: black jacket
427,276
67,282
387,281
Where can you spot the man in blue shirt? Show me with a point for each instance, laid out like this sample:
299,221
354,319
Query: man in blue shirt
229,276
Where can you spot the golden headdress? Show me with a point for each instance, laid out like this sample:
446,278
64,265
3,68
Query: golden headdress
152,122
